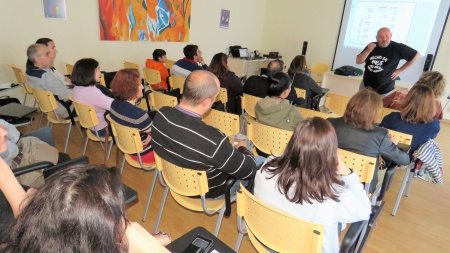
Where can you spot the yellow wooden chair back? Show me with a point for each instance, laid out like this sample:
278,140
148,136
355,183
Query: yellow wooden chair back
177,82
336,103
227,123
268,139
307,113
159,99
301,93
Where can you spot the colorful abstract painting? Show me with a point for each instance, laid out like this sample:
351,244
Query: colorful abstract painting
145,20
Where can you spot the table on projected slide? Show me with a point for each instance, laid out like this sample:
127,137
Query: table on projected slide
247,68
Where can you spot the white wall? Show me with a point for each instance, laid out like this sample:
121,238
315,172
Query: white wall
22,22
290,22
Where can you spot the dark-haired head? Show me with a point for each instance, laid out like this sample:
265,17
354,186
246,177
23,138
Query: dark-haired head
298,65
158,53
85,72
363,109
44,41
275,66
190,51
419,105
218,65
126,84
79,209
278,82
308,167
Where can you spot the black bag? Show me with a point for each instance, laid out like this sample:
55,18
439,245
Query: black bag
347,70
4,100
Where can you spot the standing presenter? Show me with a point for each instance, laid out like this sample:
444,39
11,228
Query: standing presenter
381,60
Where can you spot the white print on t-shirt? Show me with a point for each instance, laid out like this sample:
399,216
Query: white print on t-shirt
376,63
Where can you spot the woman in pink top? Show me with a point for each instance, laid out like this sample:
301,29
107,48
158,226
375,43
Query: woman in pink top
86,76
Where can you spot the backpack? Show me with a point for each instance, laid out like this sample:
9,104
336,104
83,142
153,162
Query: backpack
348,70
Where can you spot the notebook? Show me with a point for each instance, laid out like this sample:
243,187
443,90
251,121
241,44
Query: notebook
243,53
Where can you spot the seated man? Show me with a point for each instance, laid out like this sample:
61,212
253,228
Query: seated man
181,137
257,85
159,58
193,57
40,76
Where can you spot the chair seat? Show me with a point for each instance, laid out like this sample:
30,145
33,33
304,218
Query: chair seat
94,137
51,117
195,204
136,164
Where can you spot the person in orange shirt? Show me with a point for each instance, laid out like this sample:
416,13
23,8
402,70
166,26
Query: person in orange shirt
159,58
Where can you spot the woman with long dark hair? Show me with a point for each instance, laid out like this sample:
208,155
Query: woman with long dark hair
311,182
300,79
219,67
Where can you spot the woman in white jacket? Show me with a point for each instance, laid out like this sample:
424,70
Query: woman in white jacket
311,182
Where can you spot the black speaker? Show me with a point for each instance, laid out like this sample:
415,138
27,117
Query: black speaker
428,61
305,46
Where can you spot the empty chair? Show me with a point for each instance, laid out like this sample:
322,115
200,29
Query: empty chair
307,113
47,105
268,139
336,103
301,93
227,123
169,63
318,69
22,80
130,65
177,82
152,77
88,120
158,100
183,185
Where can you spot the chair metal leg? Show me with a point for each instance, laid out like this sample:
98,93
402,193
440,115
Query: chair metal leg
123,164
400,192
85,143
67,138
79,130
25,99
152,187
238,242
408,186
161,208
110,148
219,221
40,119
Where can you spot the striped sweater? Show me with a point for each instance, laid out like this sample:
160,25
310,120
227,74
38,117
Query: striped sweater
187,141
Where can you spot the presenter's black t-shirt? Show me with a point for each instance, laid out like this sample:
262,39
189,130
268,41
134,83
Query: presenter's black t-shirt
382,62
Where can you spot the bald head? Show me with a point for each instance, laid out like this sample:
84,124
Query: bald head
274,67
200,85
384,37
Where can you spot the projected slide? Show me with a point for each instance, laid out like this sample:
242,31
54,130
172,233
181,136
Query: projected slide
367,17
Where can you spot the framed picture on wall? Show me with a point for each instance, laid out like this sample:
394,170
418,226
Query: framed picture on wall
54,8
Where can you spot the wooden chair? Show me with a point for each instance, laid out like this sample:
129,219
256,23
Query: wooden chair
102,80
307,113
301,93
177,82
158,100
88,120
169,64
227,123
69,68
269,226
318,68
336,103
184,184
401,137
152,77
128,140
362,165
268,139
131,65
47,105
385,111
248,103
22,80
223,97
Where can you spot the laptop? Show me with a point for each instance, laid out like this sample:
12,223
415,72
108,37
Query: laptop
243,53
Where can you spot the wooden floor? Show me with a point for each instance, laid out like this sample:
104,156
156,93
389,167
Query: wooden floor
422,223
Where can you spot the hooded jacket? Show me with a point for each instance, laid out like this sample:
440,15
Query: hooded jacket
278,113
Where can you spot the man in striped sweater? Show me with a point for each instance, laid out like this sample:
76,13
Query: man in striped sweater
192,61
181,137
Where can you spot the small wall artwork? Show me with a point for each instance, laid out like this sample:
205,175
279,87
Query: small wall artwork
224,19
54,8
145,20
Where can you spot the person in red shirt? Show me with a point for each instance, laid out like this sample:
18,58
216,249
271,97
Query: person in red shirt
157,63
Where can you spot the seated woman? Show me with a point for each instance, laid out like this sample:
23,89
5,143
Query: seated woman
434,80
357,132
275,110
300,79
50,44
219,67
311,182
127,89
86,76
78,209
416,117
